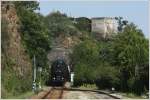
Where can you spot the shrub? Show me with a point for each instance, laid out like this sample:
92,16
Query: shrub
135,85
107,77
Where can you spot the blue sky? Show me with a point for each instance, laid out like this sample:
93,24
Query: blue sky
133,11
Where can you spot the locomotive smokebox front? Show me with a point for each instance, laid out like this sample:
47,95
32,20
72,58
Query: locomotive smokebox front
59,72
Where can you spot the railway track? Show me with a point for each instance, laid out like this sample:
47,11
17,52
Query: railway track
58,92
54,93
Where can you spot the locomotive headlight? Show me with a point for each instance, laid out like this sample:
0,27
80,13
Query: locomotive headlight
54,78
62,78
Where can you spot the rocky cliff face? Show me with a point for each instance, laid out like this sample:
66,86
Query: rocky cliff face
62,48
16,65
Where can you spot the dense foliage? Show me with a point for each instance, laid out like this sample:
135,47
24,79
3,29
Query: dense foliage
82,23
121,62
90,68
59,24
35,36
129,51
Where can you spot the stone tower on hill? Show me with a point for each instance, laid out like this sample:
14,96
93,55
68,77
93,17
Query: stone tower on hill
104,27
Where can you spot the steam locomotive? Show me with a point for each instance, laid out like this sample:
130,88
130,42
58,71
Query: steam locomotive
59,72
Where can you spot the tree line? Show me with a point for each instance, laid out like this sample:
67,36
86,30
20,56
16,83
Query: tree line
121,62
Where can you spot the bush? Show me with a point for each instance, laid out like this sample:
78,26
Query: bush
13,84
79,72
83,24
59,24
135,85
107,77
86,52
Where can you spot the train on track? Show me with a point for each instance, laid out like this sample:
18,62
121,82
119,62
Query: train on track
59,72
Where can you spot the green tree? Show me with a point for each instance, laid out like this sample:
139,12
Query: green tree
86,52
34,33
129,50
59,24
90,68
82,23
121,23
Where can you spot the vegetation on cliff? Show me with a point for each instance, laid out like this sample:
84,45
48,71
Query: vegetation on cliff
35,36
16,64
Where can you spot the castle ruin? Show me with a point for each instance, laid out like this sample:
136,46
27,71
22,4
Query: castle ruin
104,27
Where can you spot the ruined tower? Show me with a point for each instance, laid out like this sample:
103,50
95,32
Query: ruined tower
104,27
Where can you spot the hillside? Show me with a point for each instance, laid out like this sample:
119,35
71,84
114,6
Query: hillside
65,35
16,64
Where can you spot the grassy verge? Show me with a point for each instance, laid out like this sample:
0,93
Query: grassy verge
88,86
133,96
22,96
125,95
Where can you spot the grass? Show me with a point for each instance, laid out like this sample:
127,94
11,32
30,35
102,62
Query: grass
132,96
22,96
88,86
125,95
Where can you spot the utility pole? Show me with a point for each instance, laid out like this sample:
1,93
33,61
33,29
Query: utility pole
34,74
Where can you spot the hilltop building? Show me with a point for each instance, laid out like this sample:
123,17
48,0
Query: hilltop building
104,27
